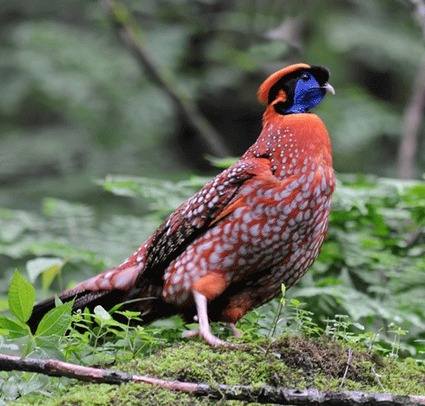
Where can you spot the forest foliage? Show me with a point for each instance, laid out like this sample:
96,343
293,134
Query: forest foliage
67,81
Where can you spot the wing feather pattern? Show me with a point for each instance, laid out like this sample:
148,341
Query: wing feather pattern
198,213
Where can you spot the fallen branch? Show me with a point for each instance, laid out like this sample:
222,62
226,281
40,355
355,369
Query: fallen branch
126,31
264,394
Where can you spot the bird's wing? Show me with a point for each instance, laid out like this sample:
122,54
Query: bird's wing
213,202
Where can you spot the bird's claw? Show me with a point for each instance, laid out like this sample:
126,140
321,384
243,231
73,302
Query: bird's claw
214,341
190,333
211,339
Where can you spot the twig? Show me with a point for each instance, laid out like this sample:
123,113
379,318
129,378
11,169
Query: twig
377,379
413,114
126,31
412,120
419,6
264,394
350,358
414,237
274,326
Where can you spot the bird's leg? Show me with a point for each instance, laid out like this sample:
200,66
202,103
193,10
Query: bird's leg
204,325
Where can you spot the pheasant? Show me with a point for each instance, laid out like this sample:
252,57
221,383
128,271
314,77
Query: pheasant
257,225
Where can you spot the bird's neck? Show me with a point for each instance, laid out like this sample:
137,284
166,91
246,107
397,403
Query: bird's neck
294,143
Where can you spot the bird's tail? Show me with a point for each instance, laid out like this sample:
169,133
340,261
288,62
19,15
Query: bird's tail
108,289
82,299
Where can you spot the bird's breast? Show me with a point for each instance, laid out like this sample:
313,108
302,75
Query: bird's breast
295,199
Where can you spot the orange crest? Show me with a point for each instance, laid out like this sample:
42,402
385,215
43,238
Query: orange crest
263,91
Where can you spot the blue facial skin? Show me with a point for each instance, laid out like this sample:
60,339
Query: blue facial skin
307,94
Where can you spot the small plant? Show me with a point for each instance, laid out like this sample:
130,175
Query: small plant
302,319
51,329
98,338
17,338
397,332
421,351
340,328
88,338
276,320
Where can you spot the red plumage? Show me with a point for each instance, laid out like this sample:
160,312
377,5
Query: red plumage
258,224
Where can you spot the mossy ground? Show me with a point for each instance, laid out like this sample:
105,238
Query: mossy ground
291,361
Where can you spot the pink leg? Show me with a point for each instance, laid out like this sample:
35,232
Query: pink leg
204,330
204,325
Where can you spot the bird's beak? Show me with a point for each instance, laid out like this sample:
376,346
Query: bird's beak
329,88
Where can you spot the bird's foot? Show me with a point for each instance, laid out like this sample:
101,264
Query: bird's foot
190,333
214,341
209,338
195,332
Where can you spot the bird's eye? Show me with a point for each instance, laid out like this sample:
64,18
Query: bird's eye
305,76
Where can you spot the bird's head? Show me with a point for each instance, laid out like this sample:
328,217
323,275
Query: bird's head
295,89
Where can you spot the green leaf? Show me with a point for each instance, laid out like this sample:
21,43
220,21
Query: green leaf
49,268
56,321
14,328
58,301
101,313
3,304
222,163
164,195
21,297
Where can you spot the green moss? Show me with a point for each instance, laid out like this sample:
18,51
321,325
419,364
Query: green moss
290,362
405,377
128,394
396,377
197,362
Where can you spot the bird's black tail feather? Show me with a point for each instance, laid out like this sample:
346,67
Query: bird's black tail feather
83,299
146,300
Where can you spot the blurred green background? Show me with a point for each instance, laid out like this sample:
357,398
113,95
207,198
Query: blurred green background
76,107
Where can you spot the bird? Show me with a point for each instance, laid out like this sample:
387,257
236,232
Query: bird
258,224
